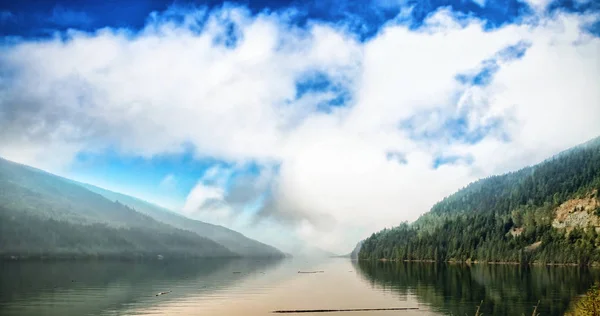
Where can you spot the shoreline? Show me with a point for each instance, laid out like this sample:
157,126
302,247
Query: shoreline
468,262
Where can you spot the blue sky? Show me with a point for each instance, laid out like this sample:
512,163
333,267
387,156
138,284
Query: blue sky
170,176
302,121
42,17
36,18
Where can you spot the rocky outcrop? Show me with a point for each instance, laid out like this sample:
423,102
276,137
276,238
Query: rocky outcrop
516,231
533,246
580,213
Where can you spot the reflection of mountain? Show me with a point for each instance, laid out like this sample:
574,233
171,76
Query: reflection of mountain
504,289
95,287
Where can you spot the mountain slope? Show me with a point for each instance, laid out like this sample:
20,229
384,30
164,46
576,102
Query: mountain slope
46,215
544,213
231,239
356,250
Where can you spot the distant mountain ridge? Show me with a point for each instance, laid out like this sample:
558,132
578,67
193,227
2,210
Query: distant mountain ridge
308,251
44,215
547,213
234,241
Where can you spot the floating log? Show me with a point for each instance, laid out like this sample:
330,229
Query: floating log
311,271
344,310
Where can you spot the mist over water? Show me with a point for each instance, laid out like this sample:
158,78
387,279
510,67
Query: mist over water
257,287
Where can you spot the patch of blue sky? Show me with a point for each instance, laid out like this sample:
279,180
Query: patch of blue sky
593,28
320,83
579,6
248,170
231,37
451,160
461,131
452,129
364,19
494,13
189,16
342,98
62,16
143,174
513,52
6,16
397,157
490,66
481,78
32,16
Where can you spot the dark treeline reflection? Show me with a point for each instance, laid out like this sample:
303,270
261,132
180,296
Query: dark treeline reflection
92,287
504,289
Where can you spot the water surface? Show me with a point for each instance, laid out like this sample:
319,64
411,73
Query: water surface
258,287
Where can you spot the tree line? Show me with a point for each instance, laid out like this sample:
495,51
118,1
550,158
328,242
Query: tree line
478,223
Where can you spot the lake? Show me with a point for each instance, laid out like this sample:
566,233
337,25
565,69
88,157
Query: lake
258,287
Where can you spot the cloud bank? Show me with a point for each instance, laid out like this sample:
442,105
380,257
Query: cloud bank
320,137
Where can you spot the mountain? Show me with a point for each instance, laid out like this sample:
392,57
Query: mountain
231,239
356,250
43,215
547,213
308,251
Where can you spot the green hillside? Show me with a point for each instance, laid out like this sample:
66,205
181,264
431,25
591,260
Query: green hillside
546,213
231,239
43,215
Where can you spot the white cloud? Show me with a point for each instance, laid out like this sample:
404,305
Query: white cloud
481,3
169,182
538,5
325,176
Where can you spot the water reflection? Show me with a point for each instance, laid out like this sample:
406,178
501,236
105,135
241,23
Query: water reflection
257,287
504,289
92,288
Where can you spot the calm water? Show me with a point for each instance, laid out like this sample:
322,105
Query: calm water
256,287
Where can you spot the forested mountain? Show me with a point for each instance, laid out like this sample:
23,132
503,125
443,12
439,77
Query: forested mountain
548,213
231,239
45,215
356,250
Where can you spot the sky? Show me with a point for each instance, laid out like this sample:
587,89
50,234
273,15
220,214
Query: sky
296,123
